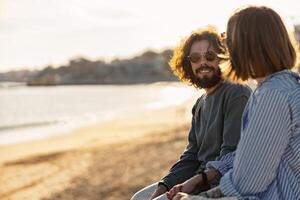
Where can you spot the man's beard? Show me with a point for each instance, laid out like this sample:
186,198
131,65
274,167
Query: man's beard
208,82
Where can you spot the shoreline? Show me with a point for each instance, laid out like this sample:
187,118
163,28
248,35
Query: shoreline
119,129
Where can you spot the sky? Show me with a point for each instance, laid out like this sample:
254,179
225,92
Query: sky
38,33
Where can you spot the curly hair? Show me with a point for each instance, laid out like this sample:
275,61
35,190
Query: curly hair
180,63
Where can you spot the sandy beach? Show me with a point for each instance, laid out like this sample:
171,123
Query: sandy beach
105,161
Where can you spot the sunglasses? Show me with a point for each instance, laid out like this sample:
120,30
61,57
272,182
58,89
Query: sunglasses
196,57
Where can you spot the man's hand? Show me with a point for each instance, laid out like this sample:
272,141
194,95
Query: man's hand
188,186
161,189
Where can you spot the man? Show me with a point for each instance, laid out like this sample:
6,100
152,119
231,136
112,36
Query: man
215,127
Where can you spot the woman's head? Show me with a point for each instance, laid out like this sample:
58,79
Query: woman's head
258,43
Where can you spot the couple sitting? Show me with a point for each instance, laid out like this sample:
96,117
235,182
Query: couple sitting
264,163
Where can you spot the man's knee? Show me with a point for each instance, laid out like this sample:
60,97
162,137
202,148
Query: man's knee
145,193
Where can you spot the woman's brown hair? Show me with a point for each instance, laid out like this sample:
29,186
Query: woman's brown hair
258,43
180,63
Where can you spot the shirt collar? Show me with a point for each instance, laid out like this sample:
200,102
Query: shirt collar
279,73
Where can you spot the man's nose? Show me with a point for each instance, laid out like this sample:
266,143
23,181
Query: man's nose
202,62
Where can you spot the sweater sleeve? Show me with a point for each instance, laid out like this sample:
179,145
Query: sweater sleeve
188,163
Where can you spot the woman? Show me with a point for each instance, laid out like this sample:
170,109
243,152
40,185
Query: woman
267,160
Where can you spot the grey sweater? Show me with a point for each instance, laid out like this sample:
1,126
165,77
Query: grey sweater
214,132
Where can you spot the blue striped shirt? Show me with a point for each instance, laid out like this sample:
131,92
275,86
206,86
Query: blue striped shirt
267,161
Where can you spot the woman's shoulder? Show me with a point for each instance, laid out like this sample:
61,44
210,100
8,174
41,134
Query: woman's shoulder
285,82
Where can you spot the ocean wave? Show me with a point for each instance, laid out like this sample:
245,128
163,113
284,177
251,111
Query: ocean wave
27,125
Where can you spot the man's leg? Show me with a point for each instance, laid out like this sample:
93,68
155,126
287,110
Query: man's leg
145,193
162,197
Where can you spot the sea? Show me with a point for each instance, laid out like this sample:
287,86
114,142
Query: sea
30,113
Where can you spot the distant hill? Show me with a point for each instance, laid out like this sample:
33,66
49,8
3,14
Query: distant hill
146,68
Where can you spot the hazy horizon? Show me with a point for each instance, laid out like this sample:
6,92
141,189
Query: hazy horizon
66,62
37,33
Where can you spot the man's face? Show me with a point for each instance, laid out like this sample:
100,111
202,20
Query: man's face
205,64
